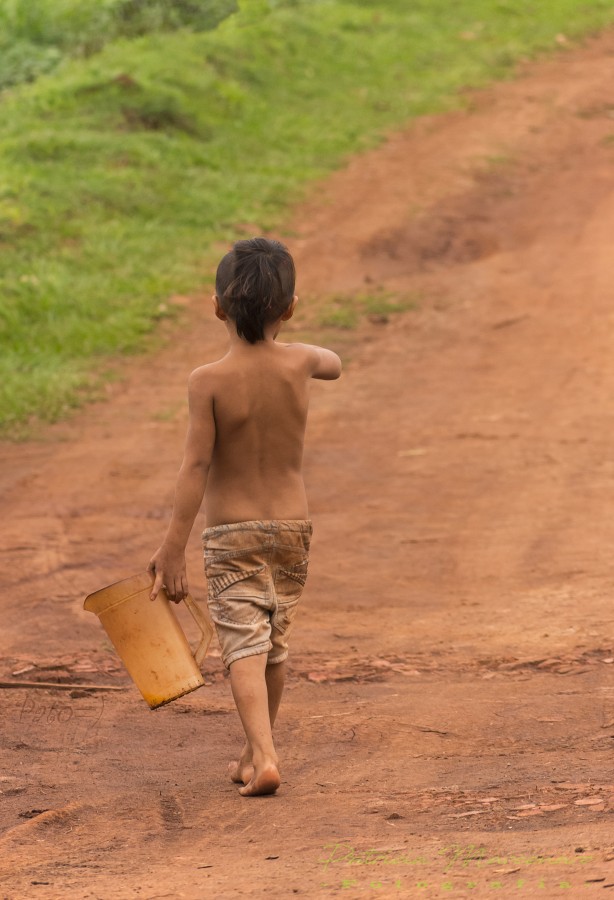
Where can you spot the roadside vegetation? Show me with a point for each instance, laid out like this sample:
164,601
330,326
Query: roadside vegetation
125,164
36,35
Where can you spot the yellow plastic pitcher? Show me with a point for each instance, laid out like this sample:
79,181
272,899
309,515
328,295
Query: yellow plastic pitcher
149,639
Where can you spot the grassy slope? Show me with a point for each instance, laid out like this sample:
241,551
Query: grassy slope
118,173
36,35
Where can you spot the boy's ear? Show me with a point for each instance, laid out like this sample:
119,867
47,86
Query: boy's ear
290,311
219,312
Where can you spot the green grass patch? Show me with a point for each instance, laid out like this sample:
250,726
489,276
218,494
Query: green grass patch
36,35
120,171
346,311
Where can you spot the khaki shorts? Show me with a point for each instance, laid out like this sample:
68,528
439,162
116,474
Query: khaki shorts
256,572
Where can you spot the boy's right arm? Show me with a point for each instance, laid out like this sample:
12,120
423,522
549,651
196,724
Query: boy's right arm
168,563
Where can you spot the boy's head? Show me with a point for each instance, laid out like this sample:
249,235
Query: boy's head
254,285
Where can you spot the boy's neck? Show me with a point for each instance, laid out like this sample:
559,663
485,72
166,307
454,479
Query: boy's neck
270,334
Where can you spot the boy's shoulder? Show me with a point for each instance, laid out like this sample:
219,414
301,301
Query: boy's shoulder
202,381
304,352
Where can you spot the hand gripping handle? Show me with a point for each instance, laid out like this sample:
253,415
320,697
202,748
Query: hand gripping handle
205,627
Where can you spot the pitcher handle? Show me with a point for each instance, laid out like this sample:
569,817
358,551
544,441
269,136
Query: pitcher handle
205,627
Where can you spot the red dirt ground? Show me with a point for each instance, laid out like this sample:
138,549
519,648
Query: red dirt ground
451,699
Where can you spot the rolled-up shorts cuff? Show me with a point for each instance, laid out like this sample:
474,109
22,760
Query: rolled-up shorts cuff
245,652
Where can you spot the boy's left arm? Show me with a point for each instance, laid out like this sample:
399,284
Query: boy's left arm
168,562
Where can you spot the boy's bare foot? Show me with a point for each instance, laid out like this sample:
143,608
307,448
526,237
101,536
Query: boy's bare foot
263,781
240,772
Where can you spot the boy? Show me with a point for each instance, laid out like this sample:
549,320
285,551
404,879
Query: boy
244,453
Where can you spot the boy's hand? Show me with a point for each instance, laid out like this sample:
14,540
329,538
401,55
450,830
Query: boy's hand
169,571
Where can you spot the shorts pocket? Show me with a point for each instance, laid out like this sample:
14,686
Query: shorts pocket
221,579
290,579
236,596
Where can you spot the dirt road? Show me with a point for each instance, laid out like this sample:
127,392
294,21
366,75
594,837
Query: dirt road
448,727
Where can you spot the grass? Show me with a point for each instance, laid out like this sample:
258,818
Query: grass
346,311
120,172
36,35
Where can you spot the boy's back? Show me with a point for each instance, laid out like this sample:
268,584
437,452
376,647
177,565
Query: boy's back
257,398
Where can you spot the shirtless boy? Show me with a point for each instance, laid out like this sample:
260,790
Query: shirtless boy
243,454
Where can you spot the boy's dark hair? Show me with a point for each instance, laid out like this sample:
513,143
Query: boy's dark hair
255,285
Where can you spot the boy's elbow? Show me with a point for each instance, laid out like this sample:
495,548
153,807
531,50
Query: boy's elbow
335,368
330,366
196,467
202,466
